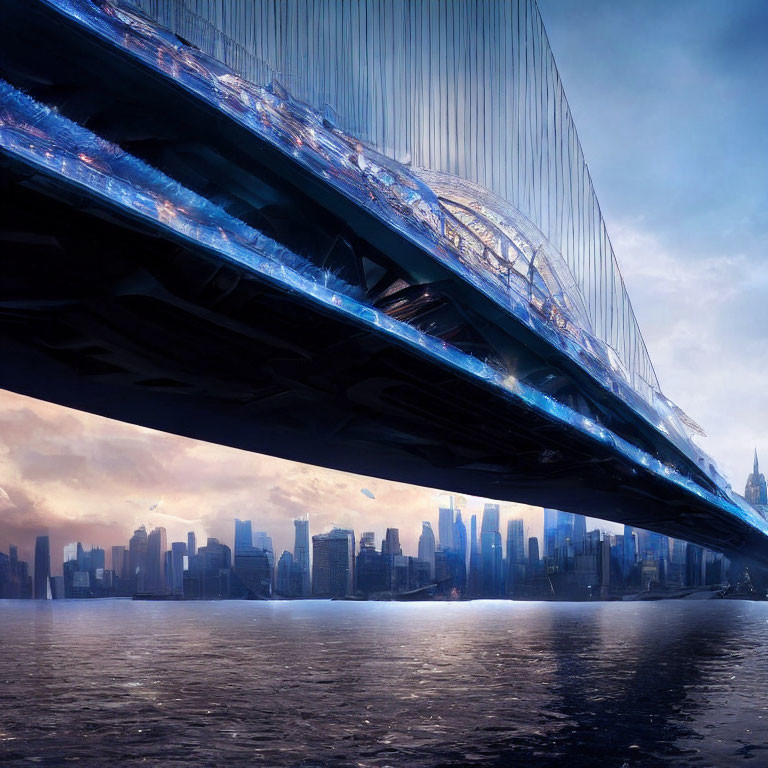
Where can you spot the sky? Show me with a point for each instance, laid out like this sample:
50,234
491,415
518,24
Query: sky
670,100
672,111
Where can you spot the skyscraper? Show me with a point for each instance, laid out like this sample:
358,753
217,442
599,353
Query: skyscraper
558,531
263,542
156,547
191,544
119,565
630,550
579,534
460,537
371,568
427,545
137,558
491,552
474,580
301,553
515,541
333,563
755,492
243,536
391,544
70,552
178,552
533,554
457,563
445,526
13,562
98,559
42,568
288,582
550,532
211,576
254,564
515,552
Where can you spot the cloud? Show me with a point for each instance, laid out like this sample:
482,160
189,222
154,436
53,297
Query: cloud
81,477
704,321
675,140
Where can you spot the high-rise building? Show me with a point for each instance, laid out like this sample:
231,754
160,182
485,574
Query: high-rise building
333,563
98,559
579,534
460,537
288,582
253,562
391,544
119,561
558,533
301,554
156,548
427,545
630,550
14,576
42,568
168,571
371,569
534,560
516,541
57,588
474,580
515,553
178,553
70,552
694,566
491,552
263,542
445,526
137,559
253,572
755,492
191,544
243,536
210,572
550,532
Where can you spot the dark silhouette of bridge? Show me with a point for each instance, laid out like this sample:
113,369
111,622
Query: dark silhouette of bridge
199,252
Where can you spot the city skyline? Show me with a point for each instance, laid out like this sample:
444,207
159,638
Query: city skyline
569,562
85,477
270,491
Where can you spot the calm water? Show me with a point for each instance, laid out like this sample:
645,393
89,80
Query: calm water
113,682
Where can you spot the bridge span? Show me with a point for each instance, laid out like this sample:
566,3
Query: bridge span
199,252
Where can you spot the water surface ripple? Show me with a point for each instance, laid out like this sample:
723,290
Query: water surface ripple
115,682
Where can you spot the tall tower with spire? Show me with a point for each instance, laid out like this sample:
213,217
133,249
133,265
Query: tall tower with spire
755,492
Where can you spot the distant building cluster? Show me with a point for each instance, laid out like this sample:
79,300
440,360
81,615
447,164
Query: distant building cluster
572,563
15,578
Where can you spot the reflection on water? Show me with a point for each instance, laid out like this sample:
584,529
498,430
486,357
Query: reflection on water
383,684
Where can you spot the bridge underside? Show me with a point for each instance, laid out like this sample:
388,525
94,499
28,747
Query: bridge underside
105,311
101,316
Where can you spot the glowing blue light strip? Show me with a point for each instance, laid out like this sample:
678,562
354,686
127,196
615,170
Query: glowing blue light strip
35,135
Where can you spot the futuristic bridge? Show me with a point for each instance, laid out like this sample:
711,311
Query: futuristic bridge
203,253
